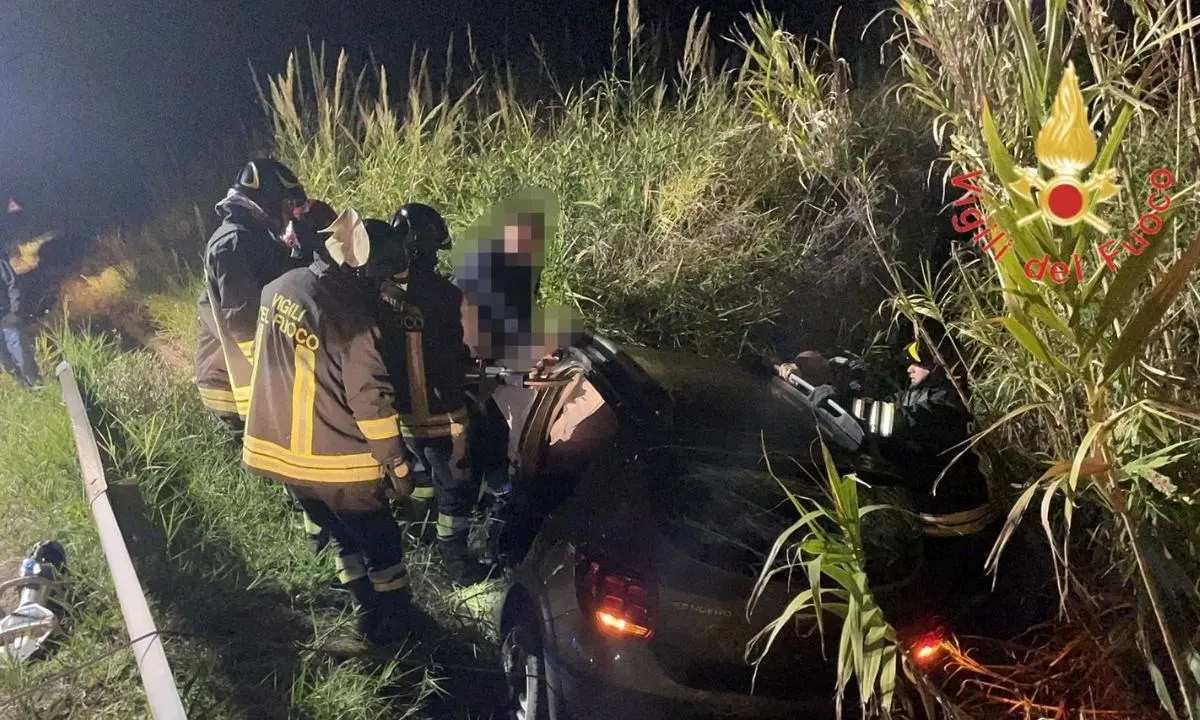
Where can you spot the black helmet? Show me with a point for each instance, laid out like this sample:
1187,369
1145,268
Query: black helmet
423,227
269,183
389,252
918,352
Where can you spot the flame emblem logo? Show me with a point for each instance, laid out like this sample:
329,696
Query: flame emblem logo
1067,147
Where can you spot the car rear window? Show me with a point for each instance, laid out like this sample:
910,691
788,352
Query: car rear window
715,403
725,510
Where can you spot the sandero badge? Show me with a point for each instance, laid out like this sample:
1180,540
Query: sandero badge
1067,147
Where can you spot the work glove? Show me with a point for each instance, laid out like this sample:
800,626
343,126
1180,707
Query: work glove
398,483
11,320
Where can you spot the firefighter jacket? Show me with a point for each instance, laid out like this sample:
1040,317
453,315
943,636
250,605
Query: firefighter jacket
922,430
426,356
321,404
241,258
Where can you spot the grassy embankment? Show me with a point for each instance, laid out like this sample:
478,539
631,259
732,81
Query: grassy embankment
683,226
694,212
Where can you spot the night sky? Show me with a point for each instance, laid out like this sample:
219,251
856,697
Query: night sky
97,98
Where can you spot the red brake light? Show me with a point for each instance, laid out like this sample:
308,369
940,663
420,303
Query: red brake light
620,605
928,647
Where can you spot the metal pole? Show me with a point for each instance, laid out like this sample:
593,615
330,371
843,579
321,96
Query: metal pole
147,645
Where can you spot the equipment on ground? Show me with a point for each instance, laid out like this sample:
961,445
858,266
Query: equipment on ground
28,628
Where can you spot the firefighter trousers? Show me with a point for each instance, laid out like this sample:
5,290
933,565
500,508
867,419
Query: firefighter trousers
359,519
449,472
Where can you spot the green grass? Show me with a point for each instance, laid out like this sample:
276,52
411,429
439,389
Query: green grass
703,208
246,607
41,498
682,226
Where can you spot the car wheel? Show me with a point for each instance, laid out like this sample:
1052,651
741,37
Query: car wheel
525,672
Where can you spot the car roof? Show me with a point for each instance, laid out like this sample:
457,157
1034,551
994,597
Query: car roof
716,400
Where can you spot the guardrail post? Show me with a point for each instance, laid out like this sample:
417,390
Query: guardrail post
143,635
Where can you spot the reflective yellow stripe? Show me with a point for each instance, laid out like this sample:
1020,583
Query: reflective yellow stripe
266,463
448,525
218,400
310,527
216,394
304,397
439,425
241,394
390,579
425,492
417,390
351,567
247,349
230,408
269,457
966,522
259,334
887,418
859,408
356,461
380,428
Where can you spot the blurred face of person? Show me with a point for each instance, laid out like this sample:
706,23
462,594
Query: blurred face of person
917,374
523,238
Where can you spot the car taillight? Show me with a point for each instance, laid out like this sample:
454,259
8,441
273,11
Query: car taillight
929,646
619,604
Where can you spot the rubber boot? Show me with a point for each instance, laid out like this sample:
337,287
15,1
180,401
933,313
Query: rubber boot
457,561
365,600
388,621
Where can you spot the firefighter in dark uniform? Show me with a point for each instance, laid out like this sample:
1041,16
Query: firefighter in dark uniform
322,418
428,362
243,255
921,430
303,235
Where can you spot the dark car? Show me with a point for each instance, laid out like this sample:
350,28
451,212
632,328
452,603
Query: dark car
641,515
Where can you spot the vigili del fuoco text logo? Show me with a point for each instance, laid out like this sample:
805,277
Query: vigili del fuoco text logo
1066,147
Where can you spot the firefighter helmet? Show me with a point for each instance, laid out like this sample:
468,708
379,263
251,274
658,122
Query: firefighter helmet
424,229
389,251
918,352
270,184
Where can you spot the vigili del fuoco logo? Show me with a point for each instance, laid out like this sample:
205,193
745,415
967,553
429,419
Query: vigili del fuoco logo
1066,147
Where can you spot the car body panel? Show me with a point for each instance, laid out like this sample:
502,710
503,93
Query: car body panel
696,661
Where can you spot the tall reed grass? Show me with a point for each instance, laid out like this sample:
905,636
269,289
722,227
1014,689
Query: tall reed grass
1089,388
704,204
682,224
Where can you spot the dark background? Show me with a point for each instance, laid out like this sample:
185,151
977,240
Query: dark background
101,101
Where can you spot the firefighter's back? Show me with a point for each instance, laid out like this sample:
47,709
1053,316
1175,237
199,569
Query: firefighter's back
301,427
